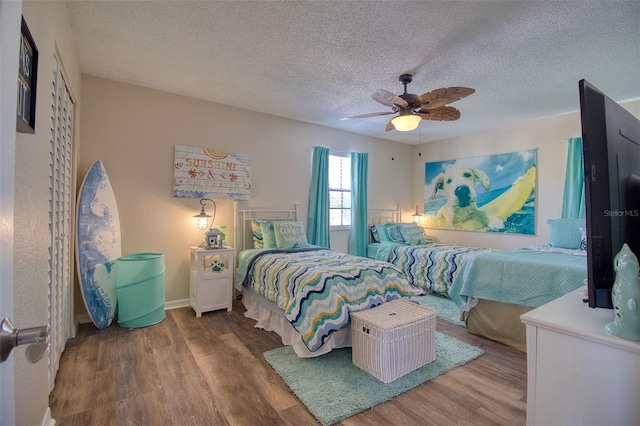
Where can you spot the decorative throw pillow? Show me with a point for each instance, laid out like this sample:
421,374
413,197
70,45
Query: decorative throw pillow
565,233
375,235
290,234
583,238
256,231
268,235
380,233
395,234
413,234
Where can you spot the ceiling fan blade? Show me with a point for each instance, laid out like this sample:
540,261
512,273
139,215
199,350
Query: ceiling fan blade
389,99
440,97
372,114
440,114
390,126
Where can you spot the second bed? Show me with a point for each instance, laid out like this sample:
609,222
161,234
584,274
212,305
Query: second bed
492,288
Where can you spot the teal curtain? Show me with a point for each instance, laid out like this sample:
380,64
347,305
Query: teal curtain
318,221
573,202
358,236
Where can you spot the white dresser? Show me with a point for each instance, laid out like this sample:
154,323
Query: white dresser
577,373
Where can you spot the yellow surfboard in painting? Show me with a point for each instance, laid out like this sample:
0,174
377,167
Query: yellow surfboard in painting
513,199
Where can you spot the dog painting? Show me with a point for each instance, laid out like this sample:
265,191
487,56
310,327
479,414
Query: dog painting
493,193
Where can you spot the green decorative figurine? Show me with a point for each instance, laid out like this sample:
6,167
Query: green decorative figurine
625,296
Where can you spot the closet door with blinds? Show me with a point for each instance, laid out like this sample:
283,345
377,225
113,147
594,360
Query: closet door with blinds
60,222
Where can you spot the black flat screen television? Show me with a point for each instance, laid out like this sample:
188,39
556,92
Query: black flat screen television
611,151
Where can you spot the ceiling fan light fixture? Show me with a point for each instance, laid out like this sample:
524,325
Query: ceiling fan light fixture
405,123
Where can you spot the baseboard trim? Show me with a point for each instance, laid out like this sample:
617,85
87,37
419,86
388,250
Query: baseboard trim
173,304
48,420
84,319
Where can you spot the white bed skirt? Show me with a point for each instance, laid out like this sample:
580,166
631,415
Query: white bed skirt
270,318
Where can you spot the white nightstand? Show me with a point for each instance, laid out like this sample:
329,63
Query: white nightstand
211,283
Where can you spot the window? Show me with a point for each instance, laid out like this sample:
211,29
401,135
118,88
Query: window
339,191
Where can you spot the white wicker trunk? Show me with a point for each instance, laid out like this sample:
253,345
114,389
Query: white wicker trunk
393,339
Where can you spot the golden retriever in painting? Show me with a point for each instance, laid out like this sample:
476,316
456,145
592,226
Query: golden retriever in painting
460,211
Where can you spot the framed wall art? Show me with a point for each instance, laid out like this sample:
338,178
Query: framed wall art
492,193
27,82
211,173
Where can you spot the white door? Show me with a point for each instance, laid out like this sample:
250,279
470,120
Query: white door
6,277
61,253
10,13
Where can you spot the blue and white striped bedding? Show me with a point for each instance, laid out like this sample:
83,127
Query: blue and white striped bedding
318,288
432,266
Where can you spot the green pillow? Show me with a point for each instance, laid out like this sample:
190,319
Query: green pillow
395,234
565,233
268,235
290,234
380,232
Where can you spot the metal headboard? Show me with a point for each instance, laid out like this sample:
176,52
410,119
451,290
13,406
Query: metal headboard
379,216
242,224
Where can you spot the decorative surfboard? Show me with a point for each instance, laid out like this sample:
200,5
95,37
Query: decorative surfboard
98,245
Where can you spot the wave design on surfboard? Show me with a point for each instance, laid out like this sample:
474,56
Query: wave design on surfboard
98,245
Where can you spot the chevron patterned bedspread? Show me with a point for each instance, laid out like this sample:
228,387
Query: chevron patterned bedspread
432,266
318,288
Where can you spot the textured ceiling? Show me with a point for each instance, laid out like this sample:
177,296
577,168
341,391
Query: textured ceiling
319,61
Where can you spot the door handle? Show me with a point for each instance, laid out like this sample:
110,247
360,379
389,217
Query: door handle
36,337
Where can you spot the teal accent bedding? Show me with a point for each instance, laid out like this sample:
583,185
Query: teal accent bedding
432,266
523,277
318,288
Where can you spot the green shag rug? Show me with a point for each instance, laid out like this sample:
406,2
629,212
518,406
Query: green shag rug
333,389
445,307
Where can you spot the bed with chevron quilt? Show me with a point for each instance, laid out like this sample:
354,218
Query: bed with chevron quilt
303,292
432,266
315,290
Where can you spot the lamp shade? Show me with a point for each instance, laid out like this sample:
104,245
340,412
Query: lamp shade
407,122
416,216
203,217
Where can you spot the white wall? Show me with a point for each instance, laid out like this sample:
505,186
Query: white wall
133,130
548,136
49,27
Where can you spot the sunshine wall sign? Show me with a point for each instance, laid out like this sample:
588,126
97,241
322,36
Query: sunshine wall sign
211,173
492,193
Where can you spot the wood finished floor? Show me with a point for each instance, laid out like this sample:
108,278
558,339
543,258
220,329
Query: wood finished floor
210,371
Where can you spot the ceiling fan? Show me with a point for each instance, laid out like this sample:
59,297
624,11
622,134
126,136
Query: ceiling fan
412,109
